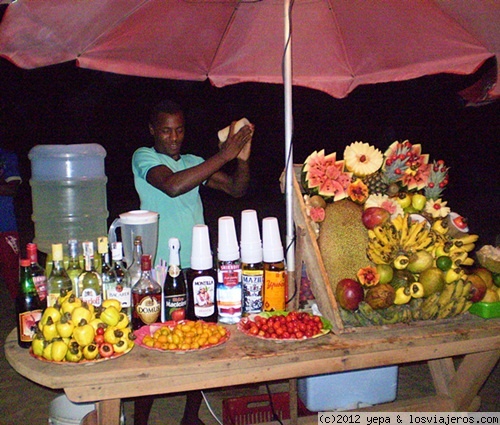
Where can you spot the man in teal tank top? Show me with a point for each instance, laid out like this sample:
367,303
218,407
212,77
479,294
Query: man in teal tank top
168,183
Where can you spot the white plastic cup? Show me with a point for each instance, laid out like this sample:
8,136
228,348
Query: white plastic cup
227,249
201,255
272,247
250,244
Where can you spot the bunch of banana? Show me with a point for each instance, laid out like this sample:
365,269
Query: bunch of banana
453,300
383,243
367,316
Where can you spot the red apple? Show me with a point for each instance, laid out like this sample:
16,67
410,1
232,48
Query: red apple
178,314
349,294
478,289
374,216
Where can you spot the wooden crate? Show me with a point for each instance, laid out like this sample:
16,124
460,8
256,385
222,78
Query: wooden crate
307,252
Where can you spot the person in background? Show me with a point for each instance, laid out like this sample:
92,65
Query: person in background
9,238
167,181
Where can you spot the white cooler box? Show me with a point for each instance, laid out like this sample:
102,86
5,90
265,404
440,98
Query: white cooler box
349,390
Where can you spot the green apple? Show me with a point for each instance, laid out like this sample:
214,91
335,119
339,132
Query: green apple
418,201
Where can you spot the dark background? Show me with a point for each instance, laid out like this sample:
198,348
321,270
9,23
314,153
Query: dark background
64,104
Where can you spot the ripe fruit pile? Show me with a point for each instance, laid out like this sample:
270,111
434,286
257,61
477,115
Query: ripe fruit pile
74,331
285,325
186,335
419,251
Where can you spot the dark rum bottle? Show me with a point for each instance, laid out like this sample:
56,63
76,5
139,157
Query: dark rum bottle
146,296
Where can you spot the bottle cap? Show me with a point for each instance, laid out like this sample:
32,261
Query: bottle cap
102,244
146,262
116,251
57,252
31,250
251,244
201,255
25,262
174,245
271,244
228,249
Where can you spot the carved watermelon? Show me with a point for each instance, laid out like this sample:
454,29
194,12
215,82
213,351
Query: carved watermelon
325,176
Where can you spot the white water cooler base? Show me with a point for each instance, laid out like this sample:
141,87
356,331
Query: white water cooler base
349,390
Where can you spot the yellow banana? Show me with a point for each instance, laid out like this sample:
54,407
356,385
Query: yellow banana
458,258
459,306
459,287
414,231
468,262
466,289
398,222
469,238
381,235
445,311
375,257
446,294
404,229
467,305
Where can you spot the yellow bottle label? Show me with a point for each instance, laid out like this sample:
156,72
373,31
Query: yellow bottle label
274,290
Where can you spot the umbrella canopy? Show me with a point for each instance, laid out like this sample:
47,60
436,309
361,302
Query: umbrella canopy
337,44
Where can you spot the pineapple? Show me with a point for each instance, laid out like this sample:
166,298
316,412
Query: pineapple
438,180
376,183
362,159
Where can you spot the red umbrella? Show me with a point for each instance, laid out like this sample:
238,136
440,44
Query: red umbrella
337,44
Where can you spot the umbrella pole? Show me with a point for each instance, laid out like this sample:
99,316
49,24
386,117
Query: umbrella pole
287,83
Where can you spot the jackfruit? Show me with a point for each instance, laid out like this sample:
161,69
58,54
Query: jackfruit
343,241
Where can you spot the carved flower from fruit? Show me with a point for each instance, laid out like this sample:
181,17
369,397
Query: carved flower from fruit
368,276
438,179
437,208
358,191
383,201
362,159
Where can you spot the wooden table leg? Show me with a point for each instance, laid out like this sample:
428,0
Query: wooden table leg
292,389
108,412
442,372
470,377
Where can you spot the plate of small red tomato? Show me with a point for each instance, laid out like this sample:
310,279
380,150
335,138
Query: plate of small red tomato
284,325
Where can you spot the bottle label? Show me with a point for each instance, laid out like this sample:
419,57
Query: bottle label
252,283
204,295
175,307
122,294
41,286
174,271
229,291
90,296
27,324
274,290
148,309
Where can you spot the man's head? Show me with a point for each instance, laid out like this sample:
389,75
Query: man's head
166,125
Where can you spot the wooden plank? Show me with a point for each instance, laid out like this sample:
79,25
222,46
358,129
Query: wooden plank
316,271
292,389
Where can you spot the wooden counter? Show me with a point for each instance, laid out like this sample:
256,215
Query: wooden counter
246,360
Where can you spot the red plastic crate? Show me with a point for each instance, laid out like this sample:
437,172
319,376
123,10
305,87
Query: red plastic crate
257,409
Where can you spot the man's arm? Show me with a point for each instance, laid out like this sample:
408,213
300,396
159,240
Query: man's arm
175,184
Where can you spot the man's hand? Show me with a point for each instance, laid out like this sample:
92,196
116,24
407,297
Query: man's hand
242,140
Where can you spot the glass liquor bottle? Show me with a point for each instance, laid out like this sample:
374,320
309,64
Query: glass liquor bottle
134,269
58,279
37,271
74,267
201,278
108,274
122,290
90,280
29,307
174,289
146,296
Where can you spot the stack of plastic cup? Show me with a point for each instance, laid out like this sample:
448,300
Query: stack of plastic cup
271,244
201,255
227,249
251,244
